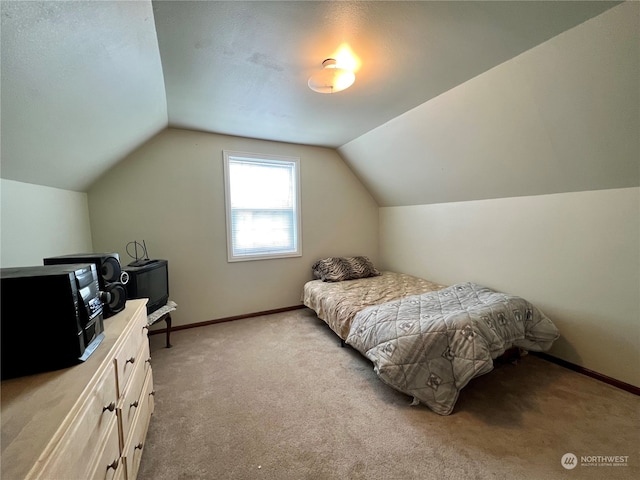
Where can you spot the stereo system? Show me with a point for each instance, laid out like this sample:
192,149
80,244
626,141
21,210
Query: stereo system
62,328
73,294
111,277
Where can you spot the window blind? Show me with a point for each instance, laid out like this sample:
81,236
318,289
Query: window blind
262,207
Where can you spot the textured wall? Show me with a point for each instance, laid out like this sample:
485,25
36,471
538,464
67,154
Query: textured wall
39,222
170,193
574,255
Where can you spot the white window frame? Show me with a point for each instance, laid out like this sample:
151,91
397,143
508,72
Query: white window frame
264,159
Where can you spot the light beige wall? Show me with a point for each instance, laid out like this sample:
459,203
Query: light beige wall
574,255
39,222
170,193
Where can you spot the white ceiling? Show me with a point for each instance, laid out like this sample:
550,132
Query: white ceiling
85,83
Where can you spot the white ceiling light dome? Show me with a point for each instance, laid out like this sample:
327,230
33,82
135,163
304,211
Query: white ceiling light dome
331,78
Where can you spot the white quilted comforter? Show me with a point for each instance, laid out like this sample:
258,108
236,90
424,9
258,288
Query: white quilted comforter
431,345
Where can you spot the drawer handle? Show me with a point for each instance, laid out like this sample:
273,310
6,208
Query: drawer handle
111,407
134,404
148,360
131,360
153,392
113,464
138,446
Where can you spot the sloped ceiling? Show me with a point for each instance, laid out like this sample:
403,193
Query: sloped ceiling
81,88
561,117
85,83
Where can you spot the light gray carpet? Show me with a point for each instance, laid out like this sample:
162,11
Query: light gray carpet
275,397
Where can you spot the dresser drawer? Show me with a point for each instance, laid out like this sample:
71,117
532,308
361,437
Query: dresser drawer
125,357
109,465
135,445
81,445
131,398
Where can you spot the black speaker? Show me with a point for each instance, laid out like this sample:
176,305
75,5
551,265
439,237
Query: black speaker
111,278
116,298
110,269
107,265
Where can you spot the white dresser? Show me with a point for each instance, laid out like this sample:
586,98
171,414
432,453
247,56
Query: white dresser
88,421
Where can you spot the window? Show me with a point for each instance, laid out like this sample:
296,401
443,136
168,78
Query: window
262,198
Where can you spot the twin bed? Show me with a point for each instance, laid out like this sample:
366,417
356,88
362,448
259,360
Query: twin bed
424,339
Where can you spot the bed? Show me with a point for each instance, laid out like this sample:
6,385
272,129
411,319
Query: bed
424,339
338,302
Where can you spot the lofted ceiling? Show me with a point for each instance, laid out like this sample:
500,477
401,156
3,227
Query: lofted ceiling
85,83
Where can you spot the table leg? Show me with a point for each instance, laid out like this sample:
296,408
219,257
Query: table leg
168,320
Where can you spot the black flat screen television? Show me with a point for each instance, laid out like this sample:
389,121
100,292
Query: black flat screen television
149,279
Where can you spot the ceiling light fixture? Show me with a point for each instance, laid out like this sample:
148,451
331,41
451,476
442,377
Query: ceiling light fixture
331,78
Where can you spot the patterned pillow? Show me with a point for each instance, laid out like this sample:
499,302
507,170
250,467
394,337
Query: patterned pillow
337,269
